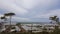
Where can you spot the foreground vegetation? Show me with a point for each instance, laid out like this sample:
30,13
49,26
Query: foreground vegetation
31,33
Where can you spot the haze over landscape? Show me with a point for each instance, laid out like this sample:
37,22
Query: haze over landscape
30,10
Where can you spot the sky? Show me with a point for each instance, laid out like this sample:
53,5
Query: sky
30,10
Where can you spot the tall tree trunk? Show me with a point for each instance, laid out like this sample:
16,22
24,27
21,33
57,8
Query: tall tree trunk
10,20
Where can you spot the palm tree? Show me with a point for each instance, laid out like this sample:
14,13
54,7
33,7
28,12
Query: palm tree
10,15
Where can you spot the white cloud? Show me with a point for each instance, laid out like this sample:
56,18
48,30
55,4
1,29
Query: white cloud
50,13
11,7
1,15
29,4
20,8
20,19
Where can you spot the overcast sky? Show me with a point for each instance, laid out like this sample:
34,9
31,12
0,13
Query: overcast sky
31,10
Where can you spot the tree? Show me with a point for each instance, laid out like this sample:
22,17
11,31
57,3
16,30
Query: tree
10,15
2,22
55,18
3,18
18,24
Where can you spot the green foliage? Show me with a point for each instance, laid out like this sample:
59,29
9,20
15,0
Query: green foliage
18,24
9,14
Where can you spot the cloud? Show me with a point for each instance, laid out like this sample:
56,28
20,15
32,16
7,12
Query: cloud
28,9
20,6
1,15
20,19
29,4
50,13
38,6
11,7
